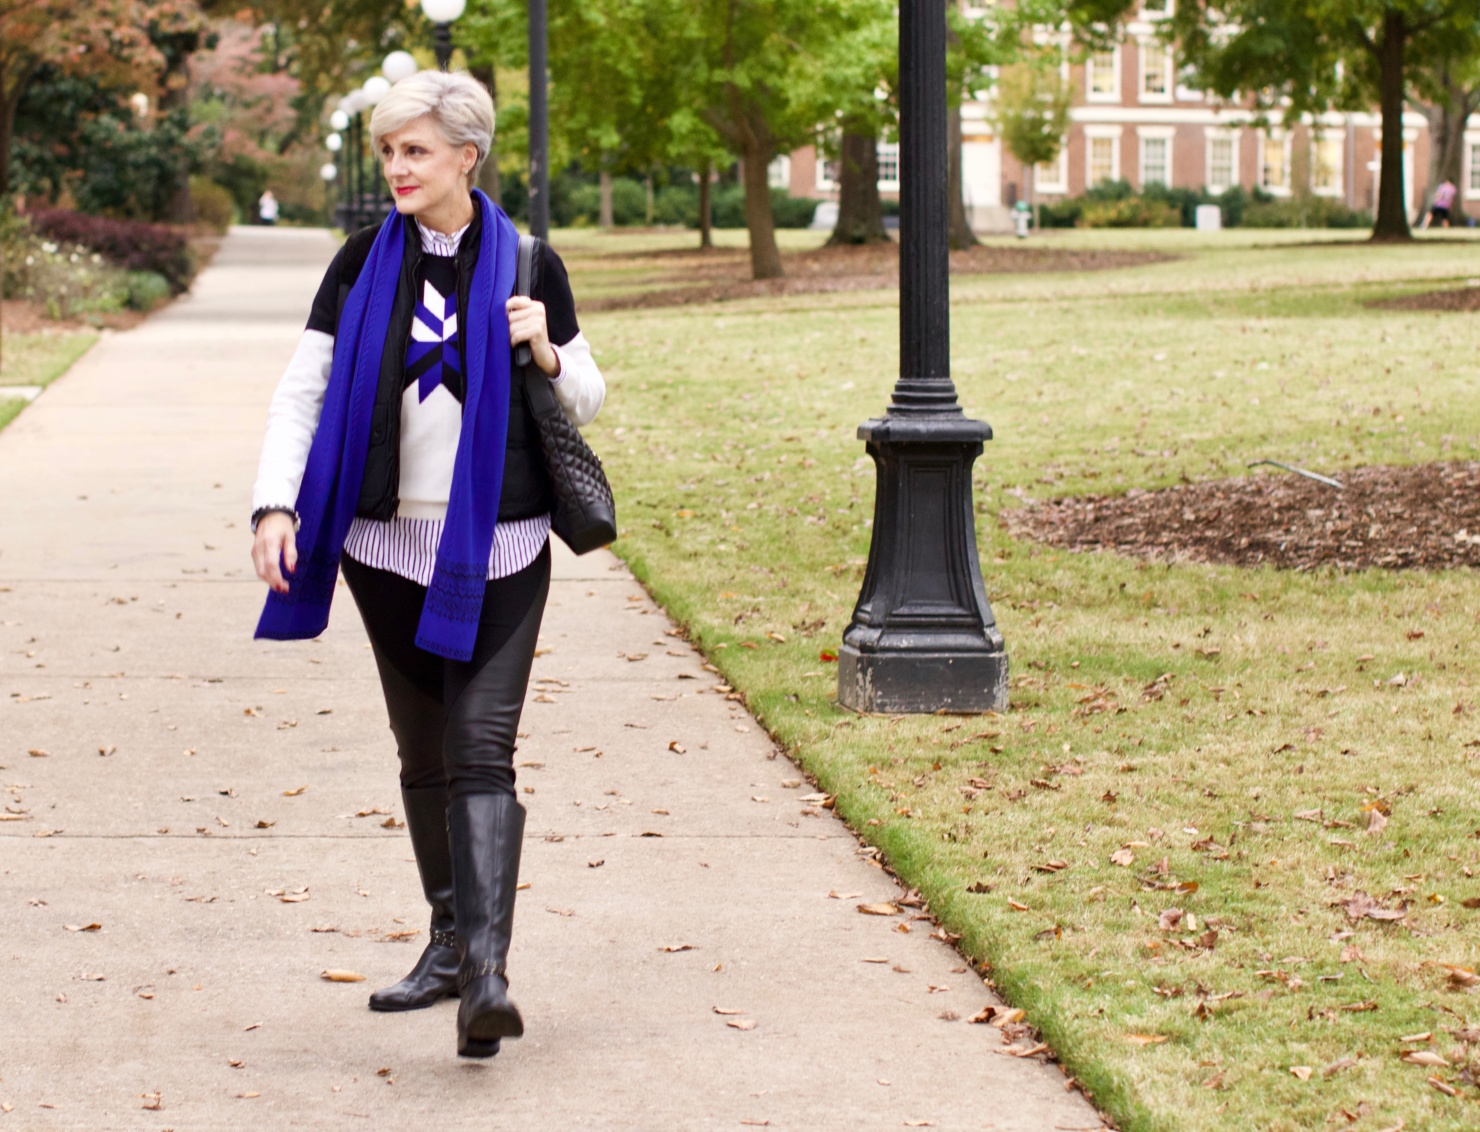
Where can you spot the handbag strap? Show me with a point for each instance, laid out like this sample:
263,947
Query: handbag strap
537,390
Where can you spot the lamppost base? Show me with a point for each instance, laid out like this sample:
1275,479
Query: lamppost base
915,682
923,638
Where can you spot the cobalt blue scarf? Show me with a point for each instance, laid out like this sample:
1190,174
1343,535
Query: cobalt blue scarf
336,460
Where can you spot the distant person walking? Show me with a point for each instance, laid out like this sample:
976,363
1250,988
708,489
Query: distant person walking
267,207
1443,201
400,446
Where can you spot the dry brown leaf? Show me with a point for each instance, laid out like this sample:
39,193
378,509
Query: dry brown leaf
726,1010
676,947
1122,857
1146,1039
1301,1071
294,792
39,753
1447,1090
335,975
1016,906
247,1096
94,927
1427,1035
1425,1057
1376,822
1169,919
884,909
741,1024
1337,1066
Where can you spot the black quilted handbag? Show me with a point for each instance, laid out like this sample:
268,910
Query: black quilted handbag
585,515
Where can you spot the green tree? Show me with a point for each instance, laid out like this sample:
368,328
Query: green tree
1031,110
1317,55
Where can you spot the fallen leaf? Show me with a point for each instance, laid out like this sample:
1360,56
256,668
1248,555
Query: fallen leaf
596,863
741,1024
1146,1039
1337,1066
677,748
83,927
39,753
1169,919
335,975
1423,1057
723,1010
152,1101
879,909
1426,1036
1122,857
247,1096
1376,822
1301,1071
674,947
295,792
1447,1090
1016,906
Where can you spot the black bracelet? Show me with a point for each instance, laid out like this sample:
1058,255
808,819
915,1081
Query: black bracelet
262,512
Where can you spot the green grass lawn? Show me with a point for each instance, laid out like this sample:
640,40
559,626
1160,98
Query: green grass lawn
39,359
1232,730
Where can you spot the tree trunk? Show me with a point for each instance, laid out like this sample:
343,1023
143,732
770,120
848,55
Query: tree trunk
488,176
606,218
860,212
765,257
706,210
1392,215
647,184
961,236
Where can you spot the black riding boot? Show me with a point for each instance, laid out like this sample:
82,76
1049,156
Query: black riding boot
435,975
486,834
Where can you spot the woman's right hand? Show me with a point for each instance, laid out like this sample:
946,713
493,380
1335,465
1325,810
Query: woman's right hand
275,547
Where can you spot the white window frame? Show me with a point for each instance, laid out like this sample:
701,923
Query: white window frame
1470,189
1275,135
1218,133
1338,186
888,151
1145,49
1145,134
778,173
1090,94
1093,134
1060,167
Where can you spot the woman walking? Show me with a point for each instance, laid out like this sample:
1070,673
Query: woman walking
399,447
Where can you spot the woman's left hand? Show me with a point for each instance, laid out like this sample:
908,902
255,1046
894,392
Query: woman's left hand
527,324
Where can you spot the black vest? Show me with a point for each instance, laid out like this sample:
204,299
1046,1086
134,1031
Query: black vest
527,491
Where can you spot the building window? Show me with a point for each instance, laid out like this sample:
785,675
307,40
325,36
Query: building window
1104,160
1222,173
1103,79
829,171
889,166
778,173
1053,177
1156,73
1325,164
1156,161
1473,148
1274,164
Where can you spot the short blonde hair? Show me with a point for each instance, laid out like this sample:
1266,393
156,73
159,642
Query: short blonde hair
460,107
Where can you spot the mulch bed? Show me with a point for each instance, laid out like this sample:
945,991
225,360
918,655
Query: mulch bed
1453,299
1423,516
721,275
27,316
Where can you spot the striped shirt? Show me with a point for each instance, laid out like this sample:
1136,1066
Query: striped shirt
408,547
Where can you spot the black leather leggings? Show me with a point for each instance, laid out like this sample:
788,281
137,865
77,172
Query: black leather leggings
454,721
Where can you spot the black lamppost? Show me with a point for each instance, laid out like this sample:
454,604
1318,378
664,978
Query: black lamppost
539,123
442,13
923,637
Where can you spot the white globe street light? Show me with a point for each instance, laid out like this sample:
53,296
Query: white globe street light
333,143
399,65
327,171
339,120
376,87
443,11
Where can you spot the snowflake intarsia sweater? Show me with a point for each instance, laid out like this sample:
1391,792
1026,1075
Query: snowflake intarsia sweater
431,416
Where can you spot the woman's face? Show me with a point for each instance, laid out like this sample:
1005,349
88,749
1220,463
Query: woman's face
425,172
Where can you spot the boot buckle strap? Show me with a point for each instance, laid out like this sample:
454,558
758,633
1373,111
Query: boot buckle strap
481,971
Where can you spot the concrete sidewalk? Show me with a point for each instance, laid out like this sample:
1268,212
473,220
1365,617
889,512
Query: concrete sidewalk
197,824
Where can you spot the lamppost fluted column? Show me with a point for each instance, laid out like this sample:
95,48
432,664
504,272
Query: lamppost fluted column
539,122
923,637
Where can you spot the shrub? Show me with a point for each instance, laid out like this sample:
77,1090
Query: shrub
73,280
728,203
129,244
146,290
1304,212
677,204
1132,212
212,204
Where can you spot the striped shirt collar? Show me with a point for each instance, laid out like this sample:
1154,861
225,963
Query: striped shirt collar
436,243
